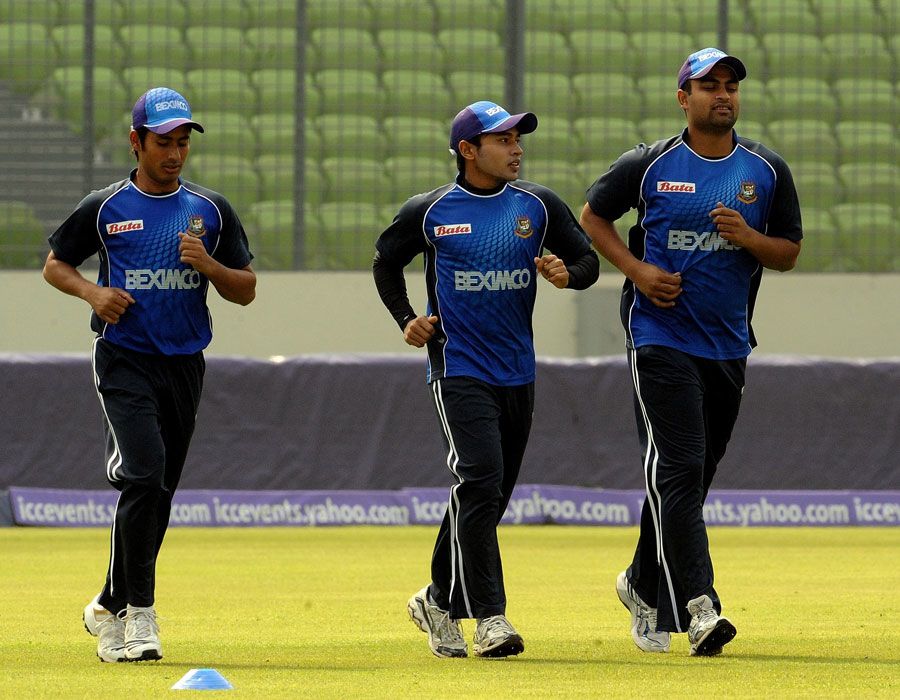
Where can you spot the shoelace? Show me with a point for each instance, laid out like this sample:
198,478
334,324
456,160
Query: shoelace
109,623
448,629
144,623
497,624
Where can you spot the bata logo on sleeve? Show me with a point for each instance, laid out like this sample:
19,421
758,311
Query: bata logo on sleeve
666,186
452,229
122,226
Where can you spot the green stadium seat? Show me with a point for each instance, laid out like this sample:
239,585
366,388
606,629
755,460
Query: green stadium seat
138,79
656,128
797,55
63,97
661,52
752,130
233,176
274,47
225,133
817,183
603,50
410,49
561,176
870,182
606,138
229,14
348,14
350,90
755,104
861,56
659,96
849,16
344,47
356,179
220,89
403,14
418,93
470,15
24,240
275,89
575,15
217,48
410,136
105,11
877,102
804,139
790,98
473,49
270,233
609,94
272,13
866,141
547,51
821,250
745,45
554,139
275,134
655,16
411,175
471,86
548,94
347,235
163,47
69,40
868,236
27,56
44,13
171,13
350,135
276,178
784,17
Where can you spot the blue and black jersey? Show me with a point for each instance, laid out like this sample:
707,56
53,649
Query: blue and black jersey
674,189
135,235
479,249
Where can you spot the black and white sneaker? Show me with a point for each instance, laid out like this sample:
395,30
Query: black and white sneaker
496,638
709,631
444,633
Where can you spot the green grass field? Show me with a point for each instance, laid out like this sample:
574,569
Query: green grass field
320,613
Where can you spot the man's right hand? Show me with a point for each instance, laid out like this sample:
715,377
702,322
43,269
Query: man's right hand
109,303
419,330
659,286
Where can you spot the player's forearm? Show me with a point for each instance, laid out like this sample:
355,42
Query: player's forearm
608,243
773,253
236,286
66,278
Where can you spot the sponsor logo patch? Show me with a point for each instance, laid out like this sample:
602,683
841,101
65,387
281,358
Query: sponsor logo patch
523,227
162,279
122,226
452,230
747,193
666,186
692,240
492,280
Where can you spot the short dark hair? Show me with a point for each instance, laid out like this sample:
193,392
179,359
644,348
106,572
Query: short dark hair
460,161
141,132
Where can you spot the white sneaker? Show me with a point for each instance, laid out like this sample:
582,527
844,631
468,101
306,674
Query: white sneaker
496,638
709,631
444,634
141,634
643,619
92,616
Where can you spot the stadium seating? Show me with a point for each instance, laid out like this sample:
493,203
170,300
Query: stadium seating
272,13
417,93
470,86
470,15
343,48
403,14
62,96
868,236
162,47
270,233
861,56
610,94
350,14
783,17
561,176
355,179
417,136
410,175
276,178
275,88
654,16
878,102
233,176
274,133
350,90
820,241
752,130
796,55
548,94
555,138
848,16
547,51
790,99
44,13
603,50
745,45
473,49
27,56
574,15
657,52
817,183
227,14
866,141
140,78
23,243
347,235
217,48
870,182
606,138
170,14
410,49
804,139
274,47
658,96
352,135
656,128
105,11
70,46
226,133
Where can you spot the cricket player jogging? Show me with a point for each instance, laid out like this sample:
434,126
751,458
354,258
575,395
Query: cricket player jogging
483,239
161,242
713,210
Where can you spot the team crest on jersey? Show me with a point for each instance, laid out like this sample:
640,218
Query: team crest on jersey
747,193
523,227
196,227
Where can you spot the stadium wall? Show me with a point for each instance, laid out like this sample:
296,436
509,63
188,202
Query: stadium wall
296,313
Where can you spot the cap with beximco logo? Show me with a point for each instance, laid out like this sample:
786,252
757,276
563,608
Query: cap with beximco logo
703,61
162,109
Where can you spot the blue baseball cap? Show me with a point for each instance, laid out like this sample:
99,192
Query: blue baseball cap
703,61
160,110
487,118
